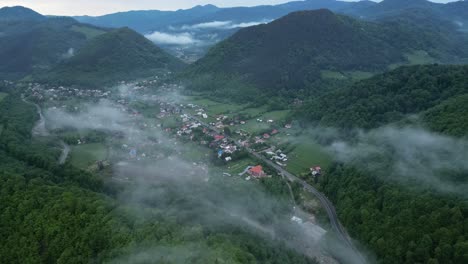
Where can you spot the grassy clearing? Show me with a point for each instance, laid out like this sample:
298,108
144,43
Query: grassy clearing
419,57
332,75
196,153
306,155
239,166
415,58
359,75
276,115
83,156
254,112
2,96
88,31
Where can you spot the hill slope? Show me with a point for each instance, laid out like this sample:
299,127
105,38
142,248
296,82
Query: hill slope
299,50
121,54
390,97
31,43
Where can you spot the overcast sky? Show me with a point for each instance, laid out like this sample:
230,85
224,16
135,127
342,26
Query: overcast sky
99,7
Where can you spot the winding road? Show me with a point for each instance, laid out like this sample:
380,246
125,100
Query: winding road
326,204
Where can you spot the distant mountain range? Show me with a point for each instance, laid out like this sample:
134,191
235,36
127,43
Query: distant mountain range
206,25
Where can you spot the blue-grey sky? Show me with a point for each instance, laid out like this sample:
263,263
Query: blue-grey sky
99,7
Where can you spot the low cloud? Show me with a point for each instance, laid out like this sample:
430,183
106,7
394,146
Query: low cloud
223,25
408,155
181,39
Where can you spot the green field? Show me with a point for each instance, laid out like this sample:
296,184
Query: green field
332,75
306,155
88,31
2,96
239,166
83,156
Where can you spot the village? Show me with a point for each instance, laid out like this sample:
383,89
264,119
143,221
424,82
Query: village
225,135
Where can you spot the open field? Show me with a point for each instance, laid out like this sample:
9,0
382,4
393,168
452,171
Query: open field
83,156
239,166
2,96
88,31
305,156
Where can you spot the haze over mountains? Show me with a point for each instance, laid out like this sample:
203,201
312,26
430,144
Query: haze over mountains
185,25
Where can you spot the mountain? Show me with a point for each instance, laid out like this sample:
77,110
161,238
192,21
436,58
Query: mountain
302,50
149,20
33,43
392,96
121,54
18,13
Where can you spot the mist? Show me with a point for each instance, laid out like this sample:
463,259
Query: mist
193,193
182,39
407,155
223,25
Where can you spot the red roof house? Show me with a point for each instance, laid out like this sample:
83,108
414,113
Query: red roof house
257,172
218,137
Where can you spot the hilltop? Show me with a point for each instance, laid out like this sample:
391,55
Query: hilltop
17,13
30,42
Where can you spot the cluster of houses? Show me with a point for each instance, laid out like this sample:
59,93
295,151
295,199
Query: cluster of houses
41,92
278,157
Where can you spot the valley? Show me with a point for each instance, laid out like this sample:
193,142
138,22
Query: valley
317,131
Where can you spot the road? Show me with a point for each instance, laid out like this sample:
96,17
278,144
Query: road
326,204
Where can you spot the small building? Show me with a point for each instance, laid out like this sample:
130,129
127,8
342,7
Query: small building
316,171
257,172
218,137
266,136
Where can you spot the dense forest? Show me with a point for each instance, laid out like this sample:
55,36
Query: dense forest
388,97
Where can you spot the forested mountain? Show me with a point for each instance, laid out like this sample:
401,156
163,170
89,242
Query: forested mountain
30,42
19,13
121,54
303,50
389,97
150,20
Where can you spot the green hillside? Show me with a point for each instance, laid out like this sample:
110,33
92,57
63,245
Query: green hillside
388,97
292,54
121,54
36,44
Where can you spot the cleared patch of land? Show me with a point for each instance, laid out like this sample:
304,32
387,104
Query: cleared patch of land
2,96
83,156
306,155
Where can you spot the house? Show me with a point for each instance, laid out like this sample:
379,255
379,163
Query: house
257,172
288,126
316,171
274,132
218,137
266,136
